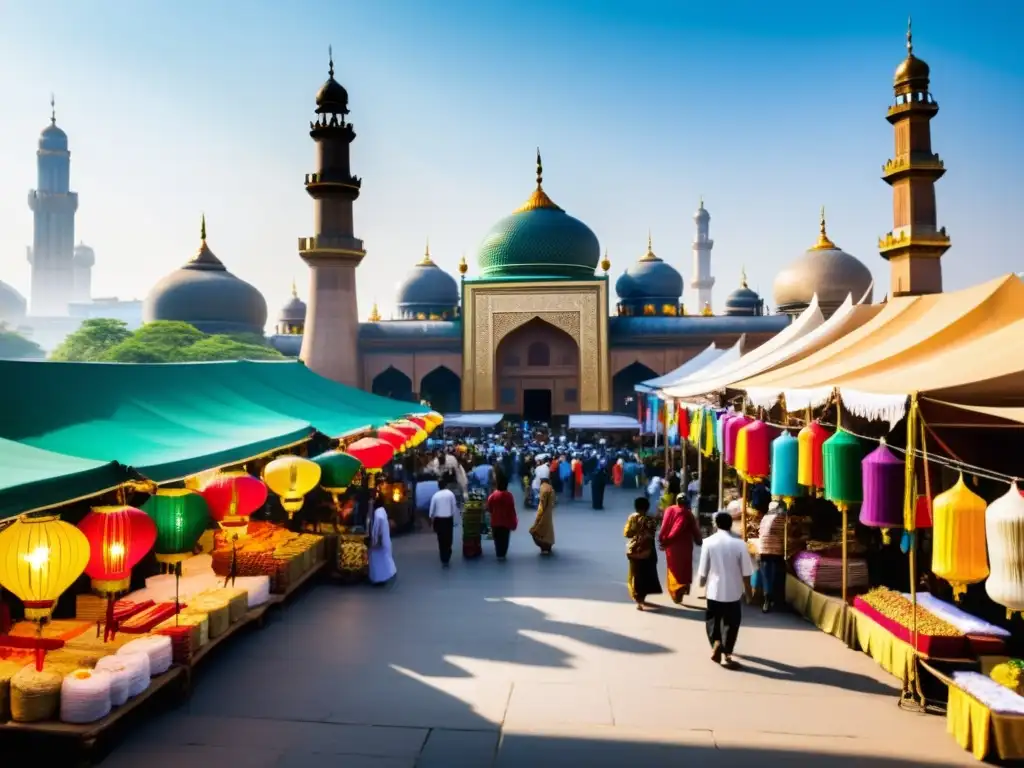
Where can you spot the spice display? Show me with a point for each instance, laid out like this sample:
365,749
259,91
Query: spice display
896,607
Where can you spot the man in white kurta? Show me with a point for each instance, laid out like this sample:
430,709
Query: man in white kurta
382,564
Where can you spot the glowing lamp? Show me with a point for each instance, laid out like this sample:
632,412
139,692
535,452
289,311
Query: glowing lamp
1004,529
291,478
883,476
810,467
232,498
841,457
785,456
731,433
180,516
40,557
958,537
119,537
753,450
396,438
396,494
372,453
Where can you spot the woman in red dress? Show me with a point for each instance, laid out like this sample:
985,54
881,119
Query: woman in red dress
502,506
679,532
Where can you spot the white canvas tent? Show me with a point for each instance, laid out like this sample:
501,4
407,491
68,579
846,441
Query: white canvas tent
472,420
726,359
603,422
691,366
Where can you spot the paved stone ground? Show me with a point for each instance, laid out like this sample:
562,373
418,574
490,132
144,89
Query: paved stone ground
533,662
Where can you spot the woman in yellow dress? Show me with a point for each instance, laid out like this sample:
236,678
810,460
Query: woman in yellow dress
641,530
543,528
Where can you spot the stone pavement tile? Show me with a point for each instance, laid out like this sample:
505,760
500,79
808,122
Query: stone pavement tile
458,749
167,756
300,759
281,735
544,704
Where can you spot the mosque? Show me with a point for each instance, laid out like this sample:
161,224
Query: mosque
533,330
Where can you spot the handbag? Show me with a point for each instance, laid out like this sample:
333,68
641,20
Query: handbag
640,547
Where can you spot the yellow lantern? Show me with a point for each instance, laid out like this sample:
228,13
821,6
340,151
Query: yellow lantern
396,493
291,478
40,557
958,537
434,419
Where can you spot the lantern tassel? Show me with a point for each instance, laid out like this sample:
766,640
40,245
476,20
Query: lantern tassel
40,651
886,537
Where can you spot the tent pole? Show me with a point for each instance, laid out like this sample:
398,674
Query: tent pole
668,455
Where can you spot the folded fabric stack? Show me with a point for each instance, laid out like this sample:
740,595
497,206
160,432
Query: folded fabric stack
156,647
145,621
121,679
188,632
94,608
824,574
134,666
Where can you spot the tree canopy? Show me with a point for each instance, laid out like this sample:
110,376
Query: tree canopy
162,341
14,346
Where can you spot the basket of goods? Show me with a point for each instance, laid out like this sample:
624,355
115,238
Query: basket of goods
35,695
353,557
216,610
188,632
894,612
822,571
772,534
472,524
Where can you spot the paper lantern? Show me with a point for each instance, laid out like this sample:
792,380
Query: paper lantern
810,467
372,453
337,470
753,450
434,419
841,456
40,557
883,477
119,537
415,434
958,538
785,457
232,498
398,439
730,435
422,423
291,478
180,516
1004,529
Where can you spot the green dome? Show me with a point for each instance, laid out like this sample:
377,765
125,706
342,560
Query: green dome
539,240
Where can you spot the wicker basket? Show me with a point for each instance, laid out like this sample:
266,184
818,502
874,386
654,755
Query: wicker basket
35,696
217,612
8,670
238,602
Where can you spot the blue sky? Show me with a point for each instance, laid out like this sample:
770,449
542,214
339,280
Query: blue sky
768,110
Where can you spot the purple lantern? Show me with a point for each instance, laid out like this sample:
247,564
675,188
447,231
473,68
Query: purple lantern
884,479
732,431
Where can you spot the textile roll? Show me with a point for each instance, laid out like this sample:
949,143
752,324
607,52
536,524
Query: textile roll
1004,529
156,647
753,450
137,665
810,466
884,480
85,696
120,678
35,695
785,463
731,433
841,457
958,537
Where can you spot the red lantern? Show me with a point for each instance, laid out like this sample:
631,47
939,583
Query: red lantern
372,453
753,450
232,498
422,423
811,463
119,537
396,438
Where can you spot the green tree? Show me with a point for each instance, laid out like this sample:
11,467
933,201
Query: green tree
132,350
92,340
14,346
168,338
220,347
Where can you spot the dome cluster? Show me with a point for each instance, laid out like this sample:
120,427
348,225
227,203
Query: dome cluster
649,287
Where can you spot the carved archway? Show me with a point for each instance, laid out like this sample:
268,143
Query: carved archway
442,388
623,383
394,384
538,371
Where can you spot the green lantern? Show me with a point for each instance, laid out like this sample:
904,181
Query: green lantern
181,517
842,454
337,470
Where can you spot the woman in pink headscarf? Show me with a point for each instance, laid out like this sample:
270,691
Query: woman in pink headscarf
679,533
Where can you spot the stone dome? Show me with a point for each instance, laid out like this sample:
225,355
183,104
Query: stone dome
427,290
650,279
13,305
204,294
84,255
539,240
744,302
294,311
825,270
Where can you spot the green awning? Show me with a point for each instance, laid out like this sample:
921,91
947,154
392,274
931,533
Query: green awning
31,478
166,421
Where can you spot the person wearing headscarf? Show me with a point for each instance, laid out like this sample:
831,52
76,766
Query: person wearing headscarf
641,530
382,563
679,534
543,528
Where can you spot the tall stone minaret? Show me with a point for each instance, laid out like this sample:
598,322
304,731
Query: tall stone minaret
330,343
702,282
915,245
53,240
85,259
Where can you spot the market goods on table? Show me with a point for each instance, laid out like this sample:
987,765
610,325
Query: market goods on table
35,695
1009,674
996,697
895,613
825,573
85,696
985,639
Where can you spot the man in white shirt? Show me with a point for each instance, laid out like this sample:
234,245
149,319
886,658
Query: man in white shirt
725,569
444,511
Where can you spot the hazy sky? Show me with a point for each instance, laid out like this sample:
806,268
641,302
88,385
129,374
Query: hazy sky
768,110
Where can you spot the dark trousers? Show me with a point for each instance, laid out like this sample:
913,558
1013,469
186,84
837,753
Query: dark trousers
444,527
773,576
500,540
722,621
597,495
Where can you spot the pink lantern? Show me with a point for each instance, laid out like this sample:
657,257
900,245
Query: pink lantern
730,433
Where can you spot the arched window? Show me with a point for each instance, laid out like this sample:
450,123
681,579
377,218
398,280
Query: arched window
538,354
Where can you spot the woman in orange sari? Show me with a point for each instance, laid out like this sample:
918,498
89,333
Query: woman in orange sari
577,474
679,532
617,473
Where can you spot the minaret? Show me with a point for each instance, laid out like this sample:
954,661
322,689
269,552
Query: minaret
330,344
53,239
702,281
84,261
915,245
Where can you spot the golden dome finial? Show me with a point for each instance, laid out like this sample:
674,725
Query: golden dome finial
374,314
295,291
743,277
823,244
426,261
910,36
202,229
706,312
539,198
606,263
330,61
463,266
649,256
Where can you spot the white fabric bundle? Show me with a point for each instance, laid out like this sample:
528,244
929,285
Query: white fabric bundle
257,587
85,696
156,647
120,678
138,670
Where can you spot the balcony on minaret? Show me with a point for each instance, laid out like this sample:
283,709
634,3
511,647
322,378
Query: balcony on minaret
919,164
332,126
337,247
326,181
916,101
926,241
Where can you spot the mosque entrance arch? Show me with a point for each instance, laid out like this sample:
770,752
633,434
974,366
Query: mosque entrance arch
623,382
538,372
442,388
393,383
